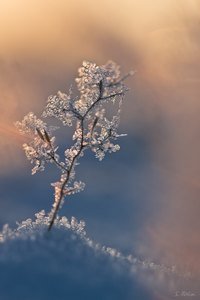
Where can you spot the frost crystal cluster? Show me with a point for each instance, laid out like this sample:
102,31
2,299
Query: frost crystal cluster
93,130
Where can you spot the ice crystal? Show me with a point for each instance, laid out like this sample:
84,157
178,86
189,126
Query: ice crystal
93,130
41,148
61,107
30,124
32,229
67,258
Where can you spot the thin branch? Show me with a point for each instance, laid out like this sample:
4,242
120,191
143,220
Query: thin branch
40,134
62,194
92,131
131,73
93,126
113,95
57,162
47,137
102,98
82,145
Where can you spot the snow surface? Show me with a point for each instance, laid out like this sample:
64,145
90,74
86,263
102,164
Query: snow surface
65,264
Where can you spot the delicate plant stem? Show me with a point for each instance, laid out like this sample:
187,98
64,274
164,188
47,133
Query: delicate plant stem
67,179
96,85
82,146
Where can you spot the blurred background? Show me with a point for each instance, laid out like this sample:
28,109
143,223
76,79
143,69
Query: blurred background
144,199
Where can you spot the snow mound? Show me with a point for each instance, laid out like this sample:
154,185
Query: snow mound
65,264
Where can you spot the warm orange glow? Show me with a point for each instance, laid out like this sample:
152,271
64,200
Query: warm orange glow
43,42
10,132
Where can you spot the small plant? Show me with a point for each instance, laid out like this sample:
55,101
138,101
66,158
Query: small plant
93,130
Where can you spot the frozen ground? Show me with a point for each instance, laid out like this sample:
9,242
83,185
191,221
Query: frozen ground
66,264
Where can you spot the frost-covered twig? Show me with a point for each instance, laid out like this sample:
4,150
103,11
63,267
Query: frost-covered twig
97,85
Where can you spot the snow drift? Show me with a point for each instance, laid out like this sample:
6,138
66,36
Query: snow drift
65,264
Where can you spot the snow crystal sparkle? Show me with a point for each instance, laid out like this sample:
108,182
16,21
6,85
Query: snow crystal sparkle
96,85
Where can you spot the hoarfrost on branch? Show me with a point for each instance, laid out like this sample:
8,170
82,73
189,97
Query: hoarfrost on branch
96,85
